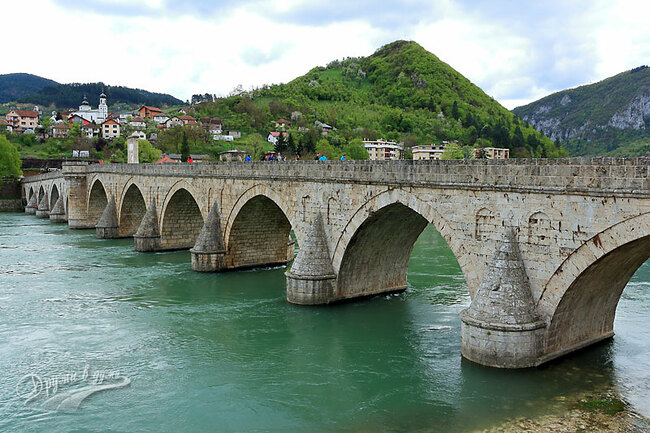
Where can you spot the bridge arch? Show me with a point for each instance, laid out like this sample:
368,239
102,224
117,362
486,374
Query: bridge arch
258,230
132,209
373,251
30,193
580,299
41,193
97,201
181,218
54,195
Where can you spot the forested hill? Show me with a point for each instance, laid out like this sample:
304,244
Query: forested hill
71,95
401,92
16,86
611,117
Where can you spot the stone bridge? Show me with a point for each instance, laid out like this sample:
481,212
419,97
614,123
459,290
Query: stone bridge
546,246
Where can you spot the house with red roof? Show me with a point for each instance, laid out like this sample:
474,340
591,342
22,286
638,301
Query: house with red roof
61,130
147,112
187,120
110,129
75,118
283,124
5,125
22,119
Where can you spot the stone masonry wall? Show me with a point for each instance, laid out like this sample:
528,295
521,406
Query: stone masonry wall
132,211
181,222
259,235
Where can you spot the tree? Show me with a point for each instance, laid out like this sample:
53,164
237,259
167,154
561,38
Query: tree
453,151
454,111
185,147
9,159
281,143
147,152
291,144
355,150
325,148
75,130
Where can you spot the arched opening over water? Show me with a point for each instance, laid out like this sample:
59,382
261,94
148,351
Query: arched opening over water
132,211
259,235
373,252
181,221
54,196
41,193
582,309
587,309
97,201
30,194
376,258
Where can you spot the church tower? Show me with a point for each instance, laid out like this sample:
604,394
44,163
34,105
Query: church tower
103,108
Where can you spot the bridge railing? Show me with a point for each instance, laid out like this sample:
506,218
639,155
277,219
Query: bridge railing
43,176
622,175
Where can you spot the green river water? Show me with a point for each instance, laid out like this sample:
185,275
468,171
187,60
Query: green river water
226,352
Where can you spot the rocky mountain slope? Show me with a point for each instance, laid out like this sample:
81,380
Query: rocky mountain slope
611,117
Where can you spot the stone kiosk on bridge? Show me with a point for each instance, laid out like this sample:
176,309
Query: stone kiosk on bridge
546,246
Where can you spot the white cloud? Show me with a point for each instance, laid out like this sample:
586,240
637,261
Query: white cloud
515,54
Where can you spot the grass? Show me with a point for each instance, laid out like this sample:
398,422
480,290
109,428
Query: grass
607,405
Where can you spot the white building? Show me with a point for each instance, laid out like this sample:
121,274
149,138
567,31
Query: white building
161,118
381,149
427,151
99,115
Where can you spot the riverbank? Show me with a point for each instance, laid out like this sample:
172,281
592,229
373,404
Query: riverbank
594,413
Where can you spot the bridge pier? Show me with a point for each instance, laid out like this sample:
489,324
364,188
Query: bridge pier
209,252
502,327
75,176
147,237
311,279
30,209
57,214
108,227
43,210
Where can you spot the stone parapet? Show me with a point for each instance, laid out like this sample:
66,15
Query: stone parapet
614,176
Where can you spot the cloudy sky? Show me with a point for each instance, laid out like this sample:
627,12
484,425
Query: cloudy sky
517,51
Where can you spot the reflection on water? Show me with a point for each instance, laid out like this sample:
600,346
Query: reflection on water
226,351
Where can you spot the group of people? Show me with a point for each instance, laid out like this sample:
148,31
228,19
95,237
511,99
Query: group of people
320,157
273,157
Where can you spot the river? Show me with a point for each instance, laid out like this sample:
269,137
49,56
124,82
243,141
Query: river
226,352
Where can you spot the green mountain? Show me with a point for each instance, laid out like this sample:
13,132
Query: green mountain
611,117
71,95
16,86
401,92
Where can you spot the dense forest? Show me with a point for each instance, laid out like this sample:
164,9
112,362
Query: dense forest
71,95
16,86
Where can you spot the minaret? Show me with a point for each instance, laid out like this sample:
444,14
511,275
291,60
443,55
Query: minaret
103,109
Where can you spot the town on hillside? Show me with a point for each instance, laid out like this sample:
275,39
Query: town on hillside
102,134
